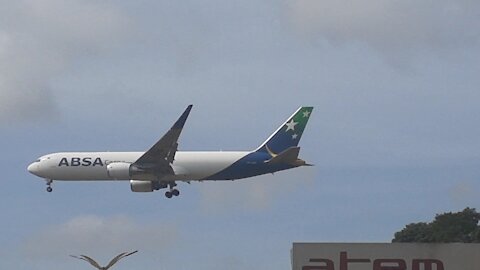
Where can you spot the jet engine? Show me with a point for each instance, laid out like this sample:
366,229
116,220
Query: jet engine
119,170
146,186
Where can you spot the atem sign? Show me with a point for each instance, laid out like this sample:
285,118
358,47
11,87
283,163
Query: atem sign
379,256
377,264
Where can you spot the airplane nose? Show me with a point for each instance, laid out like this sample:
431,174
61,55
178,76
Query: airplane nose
33,168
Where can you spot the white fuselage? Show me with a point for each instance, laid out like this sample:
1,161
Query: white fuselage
72,166
161,166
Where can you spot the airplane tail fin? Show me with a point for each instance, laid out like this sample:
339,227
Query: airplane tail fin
283,143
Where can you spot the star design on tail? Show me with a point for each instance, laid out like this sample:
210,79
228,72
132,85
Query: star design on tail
291,125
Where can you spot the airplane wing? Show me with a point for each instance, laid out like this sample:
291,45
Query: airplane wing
159,157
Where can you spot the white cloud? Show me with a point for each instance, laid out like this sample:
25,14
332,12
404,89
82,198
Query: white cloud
463,193
256,193
391,27
99,236
39,40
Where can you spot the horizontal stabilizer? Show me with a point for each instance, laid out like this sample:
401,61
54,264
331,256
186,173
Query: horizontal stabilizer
288,156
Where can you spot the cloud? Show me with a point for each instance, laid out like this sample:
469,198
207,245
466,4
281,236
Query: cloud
463,193
39,40
99,236
391,27
253,194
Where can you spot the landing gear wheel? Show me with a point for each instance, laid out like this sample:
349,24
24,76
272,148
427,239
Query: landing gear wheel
168,194
49,185
175,192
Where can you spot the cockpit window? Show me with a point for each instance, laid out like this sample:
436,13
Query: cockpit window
38,160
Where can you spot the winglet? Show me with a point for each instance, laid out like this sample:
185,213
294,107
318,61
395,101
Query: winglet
183,118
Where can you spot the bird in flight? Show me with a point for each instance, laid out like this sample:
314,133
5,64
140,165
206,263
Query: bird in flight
110,264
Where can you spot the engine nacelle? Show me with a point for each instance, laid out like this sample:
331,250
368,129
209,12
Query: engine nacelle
119,170
146,186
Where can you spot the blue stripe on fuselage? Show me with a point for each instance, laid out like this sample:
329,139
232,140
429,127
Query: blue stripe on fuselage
252,164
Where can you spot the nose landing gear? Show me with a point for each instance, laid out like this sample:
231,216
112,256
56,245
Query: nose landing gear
49,185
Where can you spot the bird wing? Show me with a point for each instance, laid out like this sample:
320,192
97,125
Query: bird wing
87,259
118,257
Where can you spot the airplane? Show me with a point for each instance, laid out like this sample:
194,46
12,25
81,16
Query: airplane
161,166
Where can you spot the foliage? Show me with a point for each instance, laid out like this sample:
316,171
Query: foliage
446,228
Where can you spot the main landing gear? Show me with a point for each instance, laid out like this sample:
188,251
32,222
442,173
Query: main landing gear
49,185
173,191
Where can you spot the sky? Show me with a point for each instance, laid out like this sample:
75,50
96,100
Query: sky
394,135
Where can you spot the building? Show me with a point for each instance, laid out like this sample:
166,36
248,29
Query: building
385,256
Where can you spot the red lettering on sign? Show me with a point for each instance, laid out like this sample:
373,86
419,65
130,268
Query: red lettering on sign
378,264
427,264
327,265
389,264
344,260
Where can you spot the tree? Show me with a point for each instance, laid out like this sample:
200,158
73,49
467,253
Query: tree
445,228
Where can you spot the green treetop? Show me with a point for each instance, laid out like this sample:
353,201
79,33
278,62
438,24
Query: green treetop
446,228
